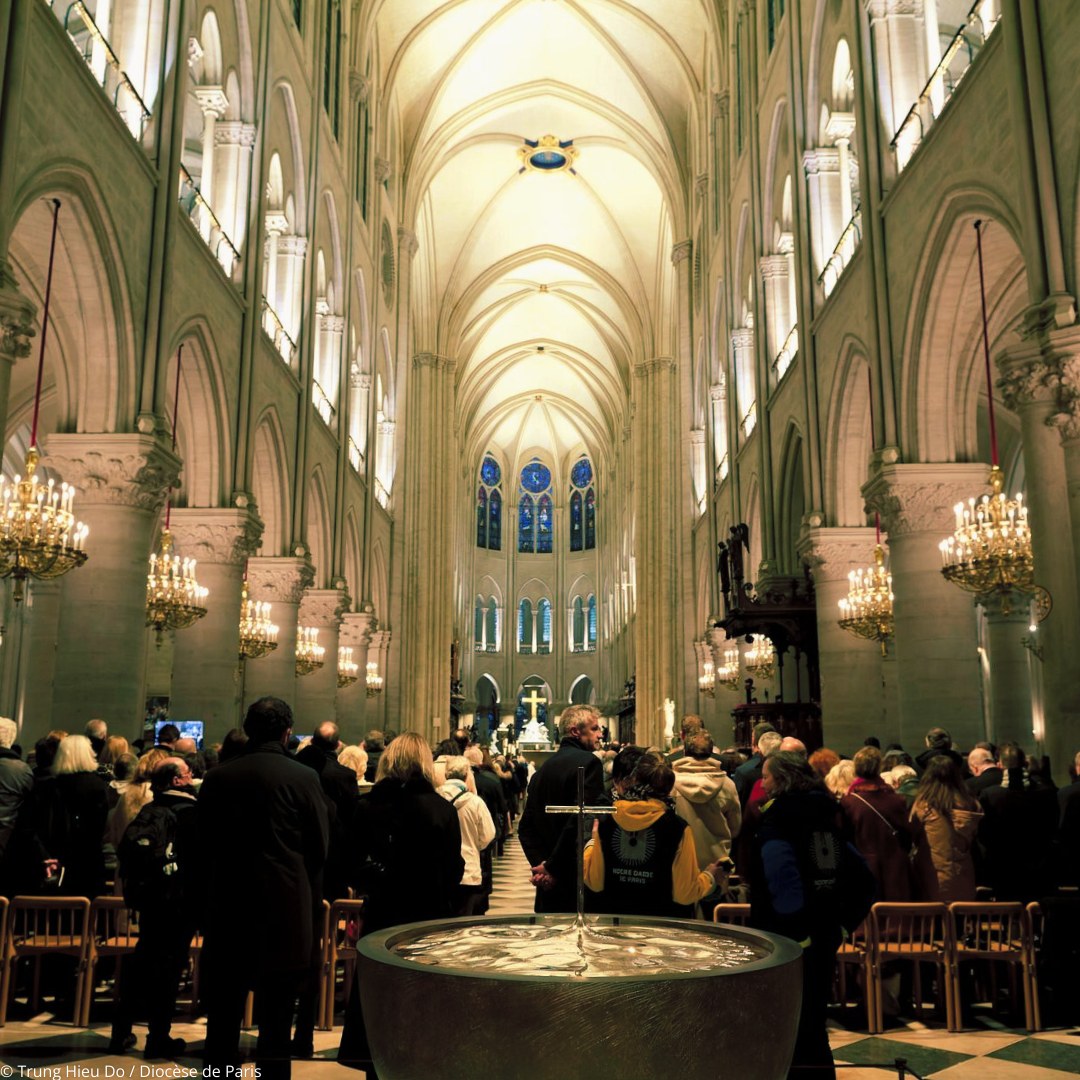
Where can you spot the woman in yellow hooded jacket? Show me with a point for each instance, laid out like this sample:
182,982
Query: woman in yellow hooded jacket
641,859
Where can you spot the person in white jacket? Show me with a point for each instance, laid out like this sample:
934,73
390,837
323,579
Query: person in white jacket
706,799
477,831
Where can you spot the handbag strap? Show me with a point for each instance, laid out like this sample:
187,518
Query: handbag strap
888,823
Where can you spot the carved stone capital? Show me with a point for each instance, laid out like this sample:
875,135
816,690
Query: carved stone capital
323,607
17,327
718,391
212,100
743,338
824,159
832,553
114,470
387,427
774,267
360,380
721,104
332,324
235,133
434,360
380,642
383,170
680,252
218,535
884,9
408,245
655,366
357,628
291,244
840,127
921,498
359,86
697,436
279,580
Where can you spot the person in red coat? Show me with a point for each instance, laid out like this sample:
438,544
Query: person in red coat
877,824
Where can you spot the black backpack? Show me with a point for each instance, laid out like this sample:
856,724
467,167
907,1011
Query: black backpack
147,861
838,881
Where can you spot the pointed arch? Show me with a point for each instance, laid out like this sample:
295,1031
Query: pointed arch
270,483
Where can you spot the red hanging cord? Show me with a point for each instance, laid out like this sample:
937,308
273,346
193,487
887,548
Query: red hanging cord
176,410
45,323
986,349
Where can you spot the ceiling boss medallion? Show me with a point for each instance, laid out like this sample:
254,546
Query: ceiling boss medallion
548,154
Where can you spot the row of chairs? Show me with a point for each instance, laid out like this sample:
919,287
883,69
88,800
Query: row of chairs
89,931
946,936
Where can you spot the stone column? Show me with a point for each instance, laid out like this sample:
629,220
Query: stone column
122,481
936,650
822,168
1010,677
16,329
779,316
840,128
316,694
898,34
205,672
282,582
428,610
355,632
233,143
30,659
1035,380
214,104
745,364
379,654
853,703
654,510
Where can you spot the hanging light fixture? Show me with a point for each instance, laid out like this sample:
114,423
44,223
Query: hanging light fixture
728,674
309,653
707,679
39,536
760,658
258,634
990,548
348,671
373,679
174,598
867,610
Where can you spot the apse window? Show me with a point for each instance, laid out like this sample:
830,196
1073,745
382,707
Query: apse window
535,509
547,154
489,506
582,507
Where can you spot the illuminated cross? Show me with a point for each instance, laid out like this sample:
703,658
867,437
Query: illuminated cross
581,810
532,701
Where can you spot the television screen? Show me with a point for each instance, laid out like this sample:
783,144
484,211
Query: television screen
189,729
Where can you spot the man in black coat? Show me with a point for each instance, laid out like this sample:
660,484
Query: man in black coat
264,832
555,784
985,771
749,772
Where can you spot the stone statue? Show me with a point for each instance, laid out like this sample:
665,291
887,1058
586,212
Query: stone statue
535,732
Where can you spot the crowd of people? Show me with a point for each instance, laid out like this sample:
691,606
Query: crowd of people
243,840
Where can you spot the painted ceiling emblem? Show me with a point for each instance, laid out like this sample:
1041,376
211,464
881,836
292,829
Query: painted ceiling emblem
548,154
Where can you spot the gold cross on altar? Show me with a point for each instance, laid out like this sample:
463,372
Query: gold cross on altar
533,700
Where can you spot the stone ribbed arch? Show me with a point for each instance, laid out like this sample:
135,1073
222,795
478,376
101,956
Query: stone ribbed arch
270,482
849,444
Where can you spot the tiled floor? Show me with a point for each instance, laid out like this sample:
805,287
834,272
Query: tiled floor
50,1047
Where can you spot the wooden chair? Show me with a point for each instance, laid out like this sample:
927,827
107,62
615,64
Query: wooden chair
736,914
114,933
344,921
995,932
1035,921
908,932
855,952
38,926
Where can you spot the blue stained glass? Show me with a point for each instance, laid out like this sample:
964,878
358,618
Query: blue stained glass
526,541
524,621
592,622
575,521
535,477
543,525
481,519
490,472
590,520
581,474
494,536
478,628
545,622
548,159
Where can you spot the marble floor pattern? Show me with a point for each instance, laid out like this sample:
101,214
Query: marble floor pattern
43,1047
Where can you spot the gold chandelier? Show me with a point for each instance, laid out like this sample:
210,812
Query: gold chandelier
373,680
174,598
309,653
867,611
348,671
39,536
258,635
728,675
990,548
760,658
707,679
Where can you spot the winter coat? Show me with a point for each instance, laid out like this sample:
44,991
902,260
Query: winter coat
876,823
16,780
942,854
477,828
706,799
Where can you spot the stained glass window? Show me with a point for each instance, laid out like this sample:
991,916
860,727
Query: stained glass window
494,536
481,518
543,524
478,625
545,625
535,477
526,536
590,520
579,625
525,626
575,521
581,474
592,622
490,472
493,624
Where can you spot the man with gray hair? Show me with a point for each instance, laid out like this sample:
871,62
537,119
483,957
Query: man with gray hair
16,780
555,784
984,769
